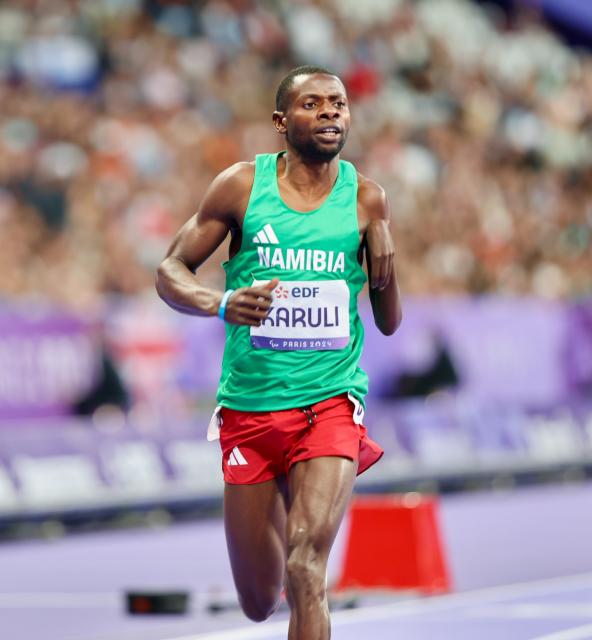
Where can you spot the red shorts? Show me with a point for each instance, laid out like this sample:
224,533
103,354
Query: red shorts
259,446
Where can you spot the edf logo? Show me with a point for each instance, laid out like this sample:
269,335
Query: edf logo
305,292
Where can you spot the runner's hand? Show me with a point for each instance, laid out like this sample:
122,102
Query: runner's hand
250,305
380,254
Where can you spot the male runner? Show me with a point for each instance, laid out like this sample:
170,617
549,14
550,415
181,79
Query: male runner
291,390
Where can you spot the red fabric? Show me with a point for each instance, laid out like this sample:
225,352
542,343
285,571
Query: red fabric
361,81
270,442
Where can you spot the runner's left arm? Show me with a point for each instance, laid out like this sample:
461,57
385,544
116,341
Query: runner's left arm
385,296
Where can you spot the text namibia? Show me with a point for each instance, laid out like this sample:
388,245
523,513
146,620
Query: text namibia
302,259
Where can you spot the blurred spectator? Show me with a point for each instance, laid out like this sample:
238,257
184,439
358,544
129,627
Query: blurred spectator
117,114
107,392
438,374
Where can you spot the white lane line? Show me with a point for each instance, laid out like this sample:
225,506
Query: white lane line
413,607
575,633
532,611
57,600
265,630
19,599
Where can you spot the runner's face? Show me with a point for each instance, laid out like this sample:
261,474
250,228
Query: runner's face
317,120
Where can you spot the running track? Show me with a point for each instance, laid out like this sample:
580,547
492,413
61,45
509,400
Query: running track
72,588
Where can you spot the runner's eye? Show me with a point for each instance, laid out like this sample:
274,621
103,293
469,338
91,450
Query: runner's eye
309,105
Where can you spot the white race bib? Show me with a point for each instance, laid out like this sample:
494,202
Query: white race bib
305,315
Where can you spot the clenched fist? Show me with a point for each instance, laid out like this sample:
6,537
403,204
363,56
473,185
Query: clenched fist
250,305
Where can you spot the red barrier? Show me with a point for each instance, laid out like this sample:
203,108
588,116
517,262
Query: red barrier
394,542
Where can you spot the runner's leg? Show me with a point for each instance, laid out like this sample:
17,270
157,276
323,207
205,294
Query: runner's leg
255,523
320,490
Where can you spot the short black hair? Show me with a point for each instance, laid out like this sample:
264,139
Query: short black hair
285,86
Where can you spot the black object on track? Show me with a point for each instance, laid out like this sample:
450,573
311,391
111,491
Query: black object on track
156,602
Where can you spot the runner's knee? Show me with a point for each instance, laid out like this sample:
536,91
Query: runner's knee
306,563
304,576
258,606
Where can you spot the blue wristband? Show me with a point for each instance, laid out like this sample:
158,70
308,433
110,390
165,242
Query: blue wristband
223,303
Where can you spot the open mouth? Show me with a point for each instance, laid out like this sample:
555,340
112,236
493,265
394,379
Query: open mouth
328,133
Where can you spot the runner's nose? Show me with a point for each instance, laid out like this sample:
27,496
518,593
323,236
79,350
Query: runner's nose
328,111
329,114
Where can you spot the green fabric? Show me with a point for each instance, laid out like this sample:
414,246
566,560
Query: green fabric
259,379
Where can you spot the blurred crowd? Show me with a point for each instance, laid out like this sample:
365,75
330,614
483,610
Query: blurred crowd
116,114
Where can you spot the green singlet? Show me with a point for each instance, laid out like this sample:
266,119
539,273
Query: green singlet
309,346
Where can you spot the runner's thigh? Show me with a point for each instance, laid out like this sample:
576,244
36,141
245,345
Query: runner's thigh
320,490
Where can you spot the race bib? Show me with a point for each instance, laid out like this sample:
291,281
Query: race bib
305,315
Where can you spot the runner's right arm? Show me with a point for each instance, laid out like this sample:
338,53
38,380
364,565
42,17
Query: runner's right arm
195,242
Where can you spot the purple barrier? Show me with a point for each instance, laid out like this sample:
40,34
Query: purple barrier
522,365
47,360
526,352
73,464
577,362
106,462
457,434
507,350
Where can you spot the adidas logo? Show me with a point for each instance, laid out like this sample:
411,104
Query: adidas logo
266,236
236,458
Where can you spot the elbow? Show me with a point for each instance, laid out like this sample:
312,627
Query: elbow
389,327
159,279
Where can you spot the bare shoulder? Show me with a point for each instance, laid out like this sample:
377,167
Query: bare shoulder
228,194
237,178
372,200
